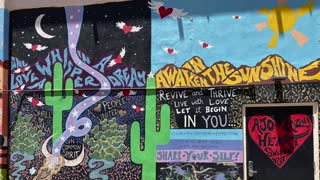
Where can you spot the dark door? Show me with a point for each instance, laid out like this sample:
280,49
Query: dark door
280,143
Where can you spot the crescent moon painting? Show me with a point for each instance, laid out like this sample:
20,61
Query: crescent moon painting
39,29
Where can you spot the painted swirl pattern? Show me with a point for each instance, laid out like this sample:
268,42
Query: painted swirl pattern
74,126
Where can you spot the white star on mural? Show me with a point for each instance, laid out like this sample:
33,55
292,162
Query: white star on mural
105,85
73,46
75,113
32,171
151,75
87,125
62,138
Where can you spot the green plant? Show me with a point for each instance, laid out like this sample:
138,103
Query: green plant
107,140
25,137
147,156
56,99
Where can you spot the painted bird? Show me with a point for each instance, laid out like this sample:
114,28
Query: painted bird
17,91
170,50
34,101
22,70
137,108
127,29
118,59
80,93
205,45
126,92
35,47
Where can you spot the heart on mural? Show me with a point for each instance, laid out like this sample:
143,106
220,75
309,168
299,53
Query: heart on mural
97,108
279,143
204,45
127,29
164,12
170,51
34,47
122,113
35,102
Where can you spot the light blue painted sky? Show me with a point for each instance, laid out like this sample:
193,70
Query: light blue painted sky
236,41
4,27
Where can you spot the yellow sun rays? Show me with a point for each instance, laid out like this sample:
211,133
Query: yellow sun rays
282,19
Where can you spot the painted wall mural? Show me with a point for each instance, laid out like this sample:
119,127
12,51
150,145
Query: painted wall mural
195,73
152,89
280,142
234,46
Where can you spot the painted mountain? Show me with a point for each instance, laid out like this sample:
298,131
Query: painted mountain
194,73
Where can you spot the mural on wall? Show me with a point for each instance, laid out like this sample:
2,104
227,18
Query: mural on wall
195,73
226,46
279,142
65,89
98,87
205,139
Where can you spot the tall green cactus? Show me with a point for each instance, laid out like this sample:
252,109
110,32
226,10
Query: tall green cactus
54,98
147,156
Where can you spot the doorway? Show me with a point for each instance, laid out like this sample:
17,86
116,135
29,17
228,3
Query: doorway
281,141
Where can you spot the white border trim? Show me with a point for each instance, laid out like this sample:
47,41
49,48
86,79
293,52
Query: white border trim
315,110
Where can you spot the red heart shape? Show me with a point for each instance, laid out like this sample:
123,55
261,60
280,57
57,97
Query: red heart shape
236,17
138,109
279,143
170,51
118,59
22,70
34,47
183,155
34,102
204,45
80,93
127,29
164,12
126,92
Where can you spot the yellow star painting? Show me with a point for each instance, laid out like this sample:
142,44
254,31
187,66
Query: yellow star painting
282,19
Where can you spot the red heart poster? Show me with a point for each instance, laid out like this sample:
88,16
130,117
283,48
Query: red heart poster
279,142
